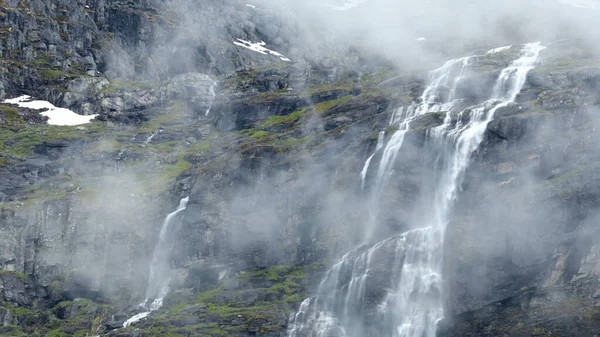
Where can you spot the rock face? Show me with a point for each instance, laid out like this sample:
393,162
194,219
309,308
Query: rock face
270,154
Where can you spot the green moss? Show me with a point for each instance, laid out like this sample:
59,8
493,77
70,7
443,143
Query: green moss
20,143
120,84
62,18
103,145
290,143
57,333
50,73
83,322
9,117
198,148
390,130
207,296
175,309
347,84
44,194
166,146
18,311
566,63
261,316
174,170
162,332
274,120
541,332
258,134
42,59
14,331
82,333
20,275
8,109
159,180
55,289
286,281
323,106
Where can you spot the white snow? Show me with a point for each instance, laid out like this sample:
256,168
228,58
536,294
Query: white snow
57,116
499,49
259,47
252,6
421,39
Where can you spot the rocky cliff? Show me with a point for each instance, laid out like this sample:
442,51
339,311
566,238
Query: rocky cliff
270,148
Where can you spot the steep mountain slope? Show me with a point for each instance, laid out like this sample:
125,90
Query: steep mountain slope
268,152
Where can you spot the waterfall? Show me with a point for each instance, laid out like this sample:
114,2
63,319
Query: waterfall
363,173
212,94
149,139
394,288
446,78
158,282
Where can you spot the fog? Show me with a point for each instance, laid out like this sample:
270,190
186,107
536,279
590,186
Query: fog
266,206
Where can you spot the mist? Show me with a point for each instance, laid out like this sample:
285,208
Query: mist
385,171
263,206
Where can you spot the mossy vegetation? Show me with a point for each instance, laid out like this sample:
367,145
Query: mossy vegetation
227,312
45,64
121,84
571,57
13,331
279,132
82,315
20,141
81,318
20,275
345,84
287,119
323,106
258,134
51,73
390,130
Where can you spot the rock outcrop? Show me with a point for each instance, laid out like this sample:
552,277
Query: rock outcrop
270,154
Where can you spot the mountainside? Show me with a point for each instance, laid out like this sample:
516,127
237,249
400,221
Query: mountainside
287,169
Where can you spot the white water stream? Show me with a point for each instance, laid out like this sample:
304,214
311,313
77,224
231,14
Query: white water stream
160,270
412,277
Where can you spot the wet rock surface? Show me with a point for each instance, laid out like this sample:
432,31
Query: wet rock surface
270,156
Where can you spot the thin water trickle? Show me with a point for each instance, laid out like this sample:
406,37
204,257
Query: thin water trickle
149,139
213,94
363,173
158,282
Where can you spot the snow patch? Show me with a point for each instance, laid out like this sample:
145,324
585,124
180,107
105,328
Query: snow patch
57,116
421,39
259,47
497,50
251,6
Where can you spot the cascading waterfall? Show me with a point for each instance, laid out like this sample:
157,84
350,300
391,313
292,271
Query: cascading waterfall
432,100
158,283
407,267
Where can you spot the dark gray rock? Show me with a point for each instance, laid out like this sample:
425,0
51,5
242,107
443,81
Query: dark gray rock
112,325
193,309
